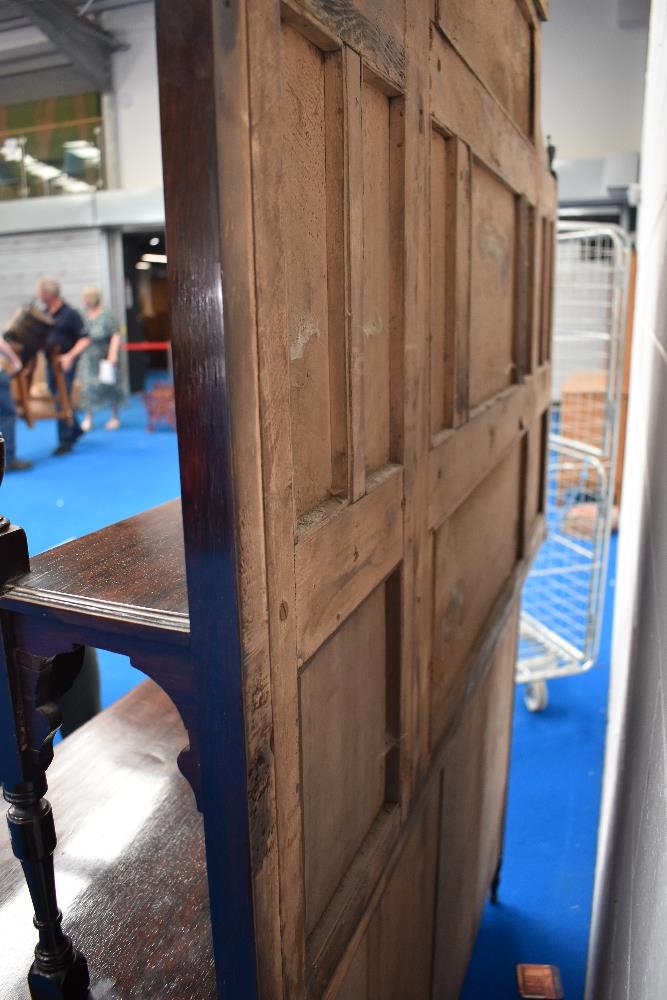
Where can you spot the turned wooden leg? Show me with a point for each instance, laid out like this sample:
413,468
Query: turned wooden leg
29,692
29,717
58,972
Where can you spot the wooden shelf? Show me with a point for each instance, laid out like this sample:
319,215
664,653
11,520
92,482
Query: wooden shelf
129,862
129,576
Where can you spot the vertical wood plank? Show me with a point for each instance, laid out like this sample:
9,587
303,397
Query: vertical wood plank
522,292
457,340
344,184
397,196
190,104
307,139
277,465
450,281
440,236
337,232
546,288
377,273
415,638
550,280
354,282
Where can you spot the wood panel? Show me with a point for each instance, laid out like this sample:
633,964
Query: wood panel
345,555
473,794
449,281
475,551
373,28
495,37
355,983
377,275
404,920
343,726
536,444
384,213
492,301
309,227
393,959
547,264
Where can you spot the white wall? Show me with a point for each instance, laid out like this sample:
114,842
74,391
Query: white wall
628,958
593,79
135,101
76,258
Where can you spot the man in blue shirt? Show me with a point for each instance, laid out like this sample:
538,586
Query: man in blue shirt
70,338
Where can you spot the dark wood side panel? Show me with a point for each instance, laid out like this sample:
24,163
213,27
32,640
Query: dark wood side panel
202,313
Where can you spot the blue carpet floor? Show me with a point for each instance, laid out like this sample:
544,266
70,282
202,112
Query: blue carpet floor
108,476
547,879
544,911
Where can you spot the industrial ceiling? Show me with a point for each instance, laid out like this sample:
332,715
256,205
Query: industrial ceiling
54,47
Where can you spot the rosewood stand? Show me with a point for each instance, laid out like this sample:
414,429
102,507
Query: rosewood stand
122,589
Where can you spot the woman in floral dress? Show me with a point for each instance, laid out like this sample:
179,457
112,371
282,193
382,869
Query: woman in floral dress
104,346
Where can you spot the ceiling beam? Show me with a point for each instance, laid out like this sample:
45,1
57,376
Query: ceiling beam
87,47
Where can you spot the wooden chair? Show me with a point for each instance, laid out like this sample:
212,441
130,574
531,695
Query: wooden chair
28,332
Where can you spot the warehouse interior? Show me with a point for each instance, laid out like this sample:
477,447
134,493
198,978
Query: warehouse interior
142,161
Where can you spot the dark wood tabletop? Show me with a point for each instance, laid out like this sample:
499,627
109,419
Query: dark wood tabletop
130,863
131,572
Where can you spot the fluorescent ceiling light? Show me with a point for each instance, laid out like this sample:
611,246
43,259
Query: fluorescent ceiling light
155,258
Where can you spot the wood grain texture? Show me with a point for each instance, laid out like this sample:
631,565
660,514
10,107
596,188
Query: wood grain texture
474,787
535,461
548,269
343,727
458,462
464,107
403,922
344,181
495,37
440,240
274,718
475,552
339,561
492,277
133,572
130,860
373,28
415,584
377,275
208,236
355,983
360,409
305,220
480,663
523,287
450,281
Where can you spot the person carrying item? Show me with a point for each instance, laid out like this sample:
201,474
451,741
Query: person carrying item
7,409
70,340
99,372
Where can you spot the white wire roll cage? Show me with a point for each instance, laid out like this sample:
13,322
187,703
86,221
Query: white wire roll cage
563,598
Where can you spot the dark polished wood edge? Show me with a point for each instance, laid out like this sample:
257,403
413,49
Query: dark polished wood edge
53,605
202,63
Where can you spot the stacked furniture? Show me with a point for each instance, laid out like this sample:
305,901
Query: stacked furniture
360,282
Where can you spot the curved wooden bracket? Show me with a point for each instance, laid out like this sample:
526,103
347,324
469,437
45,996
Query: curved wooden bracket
174,674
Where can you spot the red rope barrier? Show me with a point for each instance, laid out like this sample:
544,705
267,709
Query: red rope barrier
147,345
